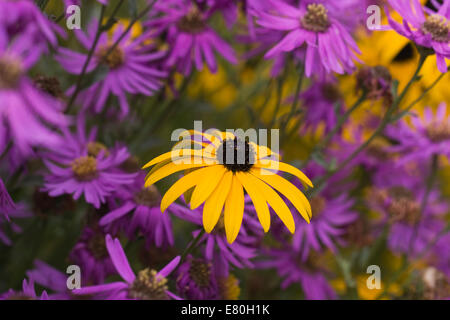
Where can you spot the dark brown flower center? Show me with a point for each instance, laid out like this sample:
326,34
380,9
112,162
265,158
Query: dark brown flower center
94,148
438,131
10,72
236,155
438,27
331,92
148,285
200,272
50,85
403,207
193,22
85,168
148,196
375,81
114,59
97,246
377,149
316,18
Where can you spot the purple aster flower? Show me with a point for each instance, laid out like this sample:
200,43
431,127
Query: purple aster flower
310,274
190,38
331,217
23,105
427,137
28,292
432,31
50,278
323,104
196,280
329,46
91,255
140,211
217,248
441,254
131,67
18,17
86,167
411,230
147,285
7,222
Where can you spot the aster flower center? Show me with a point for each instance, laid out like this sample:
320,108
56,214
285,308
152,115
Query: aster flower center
438,27
316,18
438,131
10,72
148,196
20,296
97,246
148,285
403,207
331,92
113,60
94,148
85,168
236,155
200,272
50,85
377,149
193,22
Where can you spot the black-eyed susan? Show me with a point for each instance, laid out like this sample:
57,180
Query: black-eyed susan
219,168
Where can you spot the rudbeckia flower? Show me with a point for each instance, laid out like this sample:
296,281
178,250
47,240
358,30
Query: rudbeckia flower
220,167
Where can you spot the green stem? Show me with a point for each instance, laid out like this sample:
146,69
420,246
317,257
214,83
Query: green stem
130,25
319,184
423,205
322,145
192,245
88,60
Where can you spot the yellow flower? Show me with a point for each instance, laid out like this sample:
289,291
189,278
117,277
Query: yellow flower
218,175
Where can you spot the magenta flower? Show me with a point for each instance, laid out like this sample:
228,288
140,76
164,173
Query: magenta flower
82,166
432,31
331,217
147,285
131,67
19,17
91,255
50,278
28,292
216,247
190,38
140,211
196,280
329,46
426,137
22,104
310,274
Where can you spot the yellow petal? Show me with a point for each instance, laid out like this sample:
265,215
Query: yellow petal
234,210
214,204
206,185
169,169
263,151
262,210
178,155
180,187
277,204
281,166
188,144
287,189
